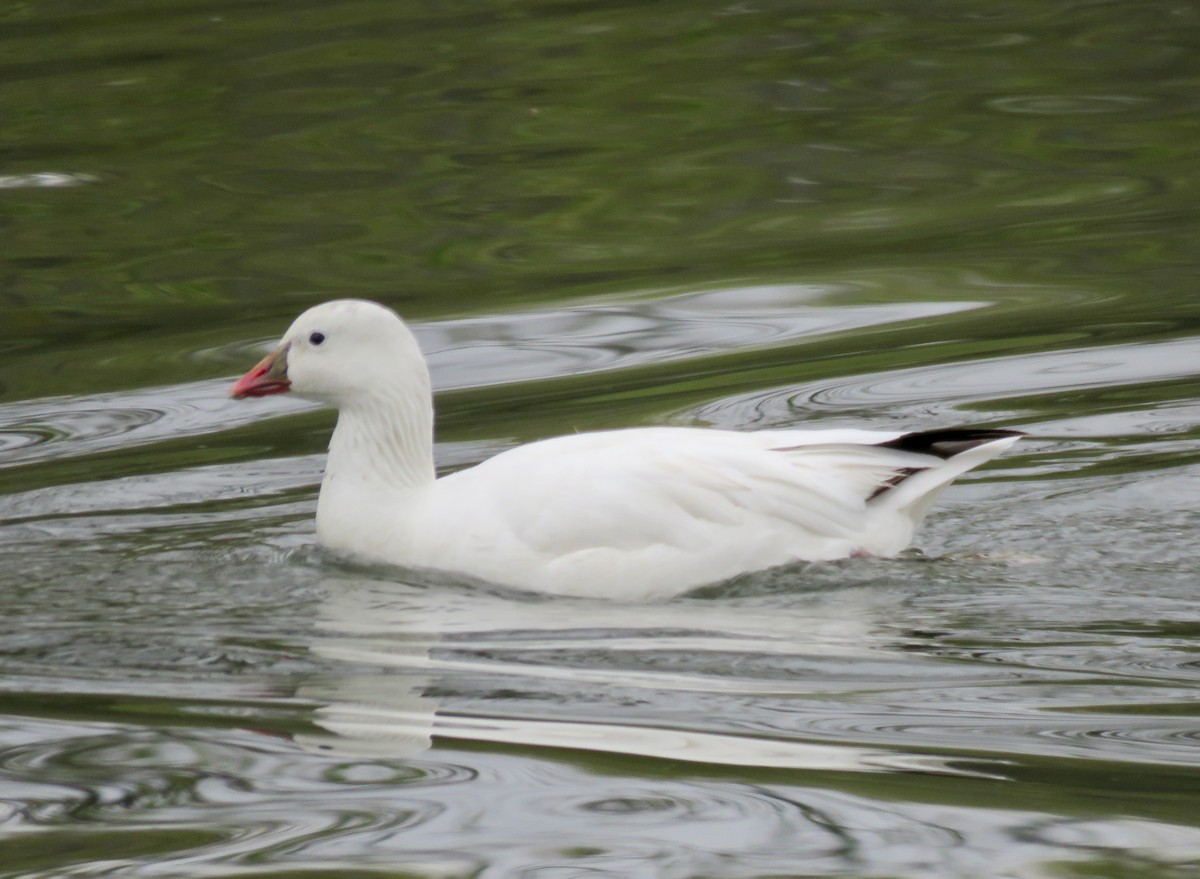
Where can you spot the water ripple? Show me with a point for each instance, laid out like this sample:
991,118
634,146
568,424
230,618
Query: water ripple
264,810
38,430
997,199
1068,105
467,352
951,385
45,179
76,425
574,340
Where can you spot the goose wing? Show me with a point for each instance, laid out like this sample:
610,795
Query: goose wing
687,488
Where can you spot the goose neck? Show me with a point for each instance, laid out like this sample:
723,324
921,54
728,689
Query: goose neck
384,441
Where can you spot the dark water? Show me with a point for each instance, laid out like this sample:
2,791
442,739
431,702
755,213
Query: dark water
599,215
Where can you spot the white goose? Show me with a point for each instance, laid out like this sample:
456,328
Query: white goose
638,513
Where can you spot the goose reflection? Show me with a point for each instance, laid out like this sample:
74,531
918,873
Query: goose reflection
408,664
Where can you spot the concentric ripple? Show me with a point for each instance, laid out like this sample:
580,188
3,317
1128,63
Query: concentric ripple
942,389
597,216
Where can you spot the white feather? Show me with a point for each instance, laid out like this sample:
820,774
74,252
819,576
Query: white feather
638,513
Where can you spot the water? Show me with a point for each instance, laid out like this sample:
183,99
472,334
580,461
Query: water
600,215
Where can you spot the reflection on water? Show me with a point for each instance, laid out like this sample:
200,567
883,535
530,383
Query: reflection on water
467,353
181,666
1030,381
885,717
44,179
403,641
573,341
264,703
596,216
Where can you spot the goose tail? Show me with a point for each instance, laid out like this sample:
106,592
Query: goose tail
950,453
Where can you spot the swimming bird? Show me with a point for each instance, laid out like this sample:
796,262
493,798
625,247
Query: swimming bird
636,513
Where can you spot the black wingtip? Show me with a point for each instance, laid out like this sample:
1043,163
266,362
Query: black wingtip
947,443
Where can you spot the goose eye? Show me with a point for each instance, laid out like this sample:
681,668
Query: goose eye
316,338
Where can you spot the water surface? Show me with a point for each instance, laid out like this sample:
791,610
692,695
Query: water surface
596,216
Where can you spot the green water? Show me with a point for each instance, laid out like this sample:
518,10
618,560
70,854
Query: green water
744,215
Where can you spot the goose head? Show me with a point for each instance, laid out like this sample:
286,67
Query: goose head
340,353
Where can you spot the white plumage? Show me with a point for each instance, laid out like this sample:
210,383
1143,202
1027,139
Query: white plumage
638,513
